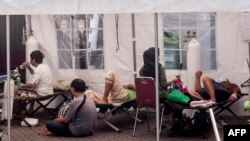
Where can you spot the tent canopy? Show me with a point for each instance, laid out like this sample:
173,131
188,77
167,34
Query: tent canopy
48,7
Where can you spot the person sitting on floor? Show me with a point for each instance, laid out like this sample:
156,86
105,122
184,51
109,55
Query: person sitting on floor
41,77
80,118
148,70
213,91
114,91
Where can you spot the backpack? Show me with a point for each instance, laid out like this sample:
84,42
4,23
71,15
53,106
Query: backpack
201,120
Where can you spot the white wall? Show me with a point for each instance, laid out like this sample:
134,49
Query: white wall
232,51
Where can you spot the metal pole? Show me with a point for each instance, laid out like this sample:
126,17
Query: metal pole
157,77
134,45
248,60
8,72
29,22
216,133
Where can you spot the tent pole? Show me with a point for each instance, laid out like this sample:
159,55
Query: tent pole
157,76
8,71
248,56
29,21
134,45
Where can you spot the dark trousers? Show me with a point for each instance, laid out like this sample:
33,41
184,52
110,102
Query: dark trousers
58,128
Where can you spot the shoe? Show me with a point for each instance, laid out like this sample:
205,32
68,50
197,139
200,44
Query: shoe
202,103
197,102
208,103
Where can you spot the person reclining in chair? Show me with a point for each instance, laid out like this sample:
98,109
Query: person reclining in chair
213,91
114,92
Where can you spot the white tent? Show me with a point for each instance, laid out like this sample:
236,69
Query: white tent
47,7
232,50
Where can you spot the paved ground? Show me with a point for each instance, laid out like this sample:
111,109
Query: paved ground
105,133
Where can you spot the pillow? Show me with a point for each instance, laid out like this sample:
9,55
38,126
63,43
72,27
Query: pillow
61,85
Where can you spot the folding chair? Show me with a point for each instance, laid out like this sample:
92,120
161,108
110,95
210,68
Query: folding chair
180,107
114,108
145,97
50,98
214,110
226,106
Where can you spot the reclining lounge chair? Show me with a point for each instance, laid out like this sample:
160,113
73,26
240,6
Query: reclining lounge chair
113,109
214,110
43,102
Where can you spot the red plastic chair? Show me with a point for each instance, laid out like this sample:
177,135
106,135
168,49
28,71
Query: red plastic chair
145,97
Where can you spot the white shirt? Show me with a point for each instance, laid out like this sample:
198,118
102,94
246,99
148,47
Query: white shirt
43,78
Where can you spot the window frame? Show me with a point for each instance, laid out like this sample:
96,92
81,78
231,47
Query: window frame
72,30
181,47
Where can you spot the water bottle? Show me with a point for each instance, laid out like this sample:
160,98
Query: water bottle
18,82
24,65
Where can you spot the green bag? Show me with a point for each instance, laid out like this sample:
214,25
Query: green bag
177,96
247,106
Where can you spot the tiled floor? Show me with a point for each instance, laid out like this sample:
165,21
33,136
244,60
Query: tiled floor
105,133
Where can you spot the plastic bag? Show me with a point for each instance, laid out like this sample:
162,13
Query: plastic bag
179,85
176,95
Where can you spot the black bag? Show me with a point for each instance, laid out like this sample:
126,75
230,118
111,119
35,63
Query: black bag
201,120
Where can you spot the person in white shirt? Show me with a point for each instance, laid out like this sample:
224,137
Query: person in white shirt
41,78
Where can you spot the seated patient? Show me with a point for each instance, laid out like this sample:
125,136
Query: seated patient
214,91
148,70
41,77
114,91
80,119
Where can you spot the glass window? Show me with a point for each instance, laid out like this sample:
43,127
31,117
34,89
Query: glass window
178,30
80,41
